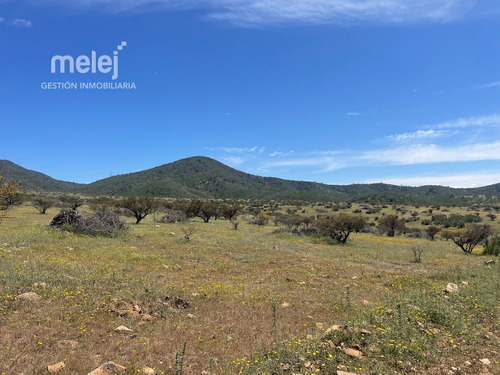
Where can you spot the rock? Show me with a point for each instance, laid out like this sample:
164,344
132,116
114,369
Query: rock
320,325
157,226
365,302
354,277
345,373
39,285
56,368
285,305
191,316
108,368
468,363
29,296
148,371
177,267
353,353
485,361
73,344
451,288
123,329
332,328
489,262
363,331
147,318
466,283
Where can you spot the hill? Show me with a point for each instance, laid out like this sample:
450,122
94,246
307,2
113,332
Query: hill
33,180
202,177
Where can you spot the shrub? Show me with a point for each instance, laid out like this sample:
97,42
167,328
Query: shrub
174,216
140,206
42,204
492,246
339,227
390,224
431,232
103,222
469,237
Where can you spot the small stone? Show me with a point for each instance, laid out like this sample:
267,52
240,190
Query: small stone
489,262
468,363
342,367
147,318
451,288
466,283
320,325
345,373
29,296
56,368
285,305
485,361
148,371
332,328
123,329
365,302
354,277
108,368
157,226
191,316
353,353
177,267
172,233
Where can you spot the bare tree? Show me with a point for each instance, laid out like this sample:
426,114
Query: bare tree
42,204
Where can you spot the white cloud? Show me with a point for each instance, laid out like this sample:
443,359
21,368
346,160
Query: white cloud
18,22
233,160
255,12
428,154
457,181
489,85
491,120
419,134
353,113
237,150
281,153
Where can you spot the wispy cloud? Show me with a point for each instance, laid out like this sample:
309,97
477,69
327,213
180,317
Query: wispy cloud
281,153
238,150
491,120
258,12
233,160
465,180
353,113
2,20
418,135
488,85
430,154
18,22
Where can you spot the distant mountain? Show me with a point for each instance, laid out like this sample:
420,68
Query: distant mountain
202,177
35,180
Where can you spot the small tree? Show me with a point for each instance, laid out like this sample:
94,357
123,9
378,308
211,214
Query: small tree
42,204
431,232
230,212
340,226
202,209
390,224
140,206
492,246
7,190
469,237
72,201
491,216
260,219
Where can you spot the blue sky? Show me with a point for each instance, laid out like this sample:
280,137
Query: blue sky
334,91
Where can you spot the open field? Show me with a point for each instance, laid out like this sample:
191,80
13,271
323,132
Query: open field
217,293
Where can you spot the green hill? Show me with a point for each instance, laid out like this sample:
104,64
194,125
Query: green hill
33,180
202,177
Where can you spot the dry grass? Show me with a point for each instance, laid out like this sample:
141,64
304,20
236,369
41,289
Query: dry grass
228,277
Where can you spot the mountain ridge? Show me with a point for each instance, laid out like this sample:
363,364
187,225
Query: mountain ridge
203,177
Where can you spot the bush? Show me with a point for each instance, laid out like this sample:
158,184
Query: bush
174,216
340,226
390,224
470,236
492,246
102,222
42,204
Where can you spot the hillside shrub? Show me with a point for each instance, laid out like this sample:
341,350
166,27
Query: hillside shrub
103,222
492,246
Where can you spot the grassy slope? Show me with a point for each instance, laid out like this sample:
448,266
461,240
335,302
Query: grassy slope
229,278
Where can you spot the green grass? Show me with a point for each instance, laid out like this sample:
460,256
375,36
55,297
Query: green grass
229,279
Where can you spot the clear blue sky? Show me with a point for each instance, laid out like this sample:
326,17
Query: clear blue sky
335,91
